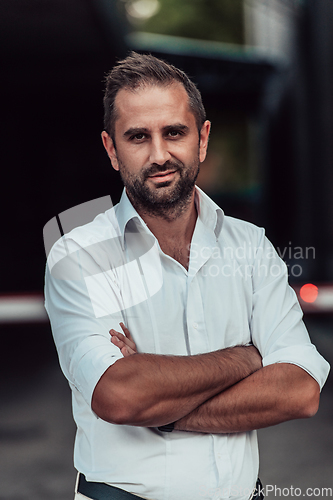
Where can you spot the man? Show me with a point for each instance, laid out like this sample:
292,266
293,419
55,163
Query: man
216,348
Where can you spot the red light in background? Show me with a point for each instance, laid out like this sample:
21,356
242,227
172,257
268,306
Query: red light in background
309,292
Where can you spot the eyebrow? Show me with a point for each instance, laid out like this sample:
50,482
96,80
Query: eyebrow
134,131
176,126
143,130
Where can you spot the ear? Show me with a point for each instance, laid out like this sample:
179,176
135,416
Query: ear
204,136
110,149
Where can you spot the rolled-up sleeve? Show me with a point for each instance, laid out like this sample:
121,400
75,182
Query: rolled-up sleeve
82,340
277,327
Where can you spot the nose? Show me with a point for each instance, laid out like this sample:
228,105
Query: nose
159,153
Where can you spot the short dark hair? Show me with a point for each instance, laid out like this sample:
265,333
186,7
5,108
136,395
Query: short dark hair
144,69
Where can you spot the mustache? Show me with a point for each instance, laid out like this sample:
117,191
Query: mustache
168,165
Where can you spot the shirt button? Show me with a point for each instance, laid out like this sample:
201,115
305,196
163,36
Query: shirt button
195,325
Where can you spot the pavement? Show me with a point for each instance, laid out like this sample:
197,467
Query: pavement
37,430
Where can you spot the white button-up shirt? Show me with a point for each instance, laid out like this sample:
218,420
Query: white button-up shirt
234,292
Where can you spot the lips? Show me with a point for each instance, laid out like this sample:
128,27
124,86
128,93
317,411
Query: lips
162,178
163,174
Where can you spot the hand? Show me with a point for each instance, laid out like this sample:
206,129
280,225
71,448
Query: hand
124,342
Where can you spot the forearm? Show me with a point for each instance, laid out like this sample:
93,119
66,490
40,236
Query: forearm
274,394
152,390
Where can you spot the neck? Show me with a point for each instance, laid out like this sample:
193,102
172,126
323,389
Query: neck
174,228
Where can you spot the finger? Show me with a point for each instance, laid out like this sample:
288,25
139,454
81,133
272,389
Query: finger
118,343
124,349
114,332
121,337
124,352
126,331
130,342
127,351
122,342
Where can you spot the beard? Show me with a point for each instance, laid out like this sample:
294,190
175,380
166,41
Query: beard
168,199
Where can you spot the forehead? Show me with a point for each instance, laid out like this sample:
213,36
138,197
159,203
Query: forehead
151,105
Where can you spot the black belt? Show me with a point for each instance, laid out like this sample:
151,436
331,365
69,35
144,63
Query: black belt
102,491
259,491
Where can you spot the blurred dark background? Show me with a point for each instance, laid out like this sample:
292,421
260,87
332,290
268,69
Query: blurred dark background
264,68
270,103
55,54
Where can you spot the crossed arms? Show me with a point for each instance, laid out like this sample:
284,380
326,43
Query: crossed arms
218,392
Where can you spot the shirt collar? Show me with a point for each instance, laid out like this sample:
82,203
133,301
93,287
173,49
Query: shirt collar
209,213
125,212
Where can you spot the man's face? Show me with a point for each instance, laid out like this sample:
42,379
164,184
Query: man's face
157,146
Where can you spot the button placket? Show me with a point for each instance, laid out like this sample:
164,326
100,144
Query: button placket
197,335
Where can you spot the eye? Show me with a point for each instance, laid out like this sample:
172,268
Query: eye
174,133
138,137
